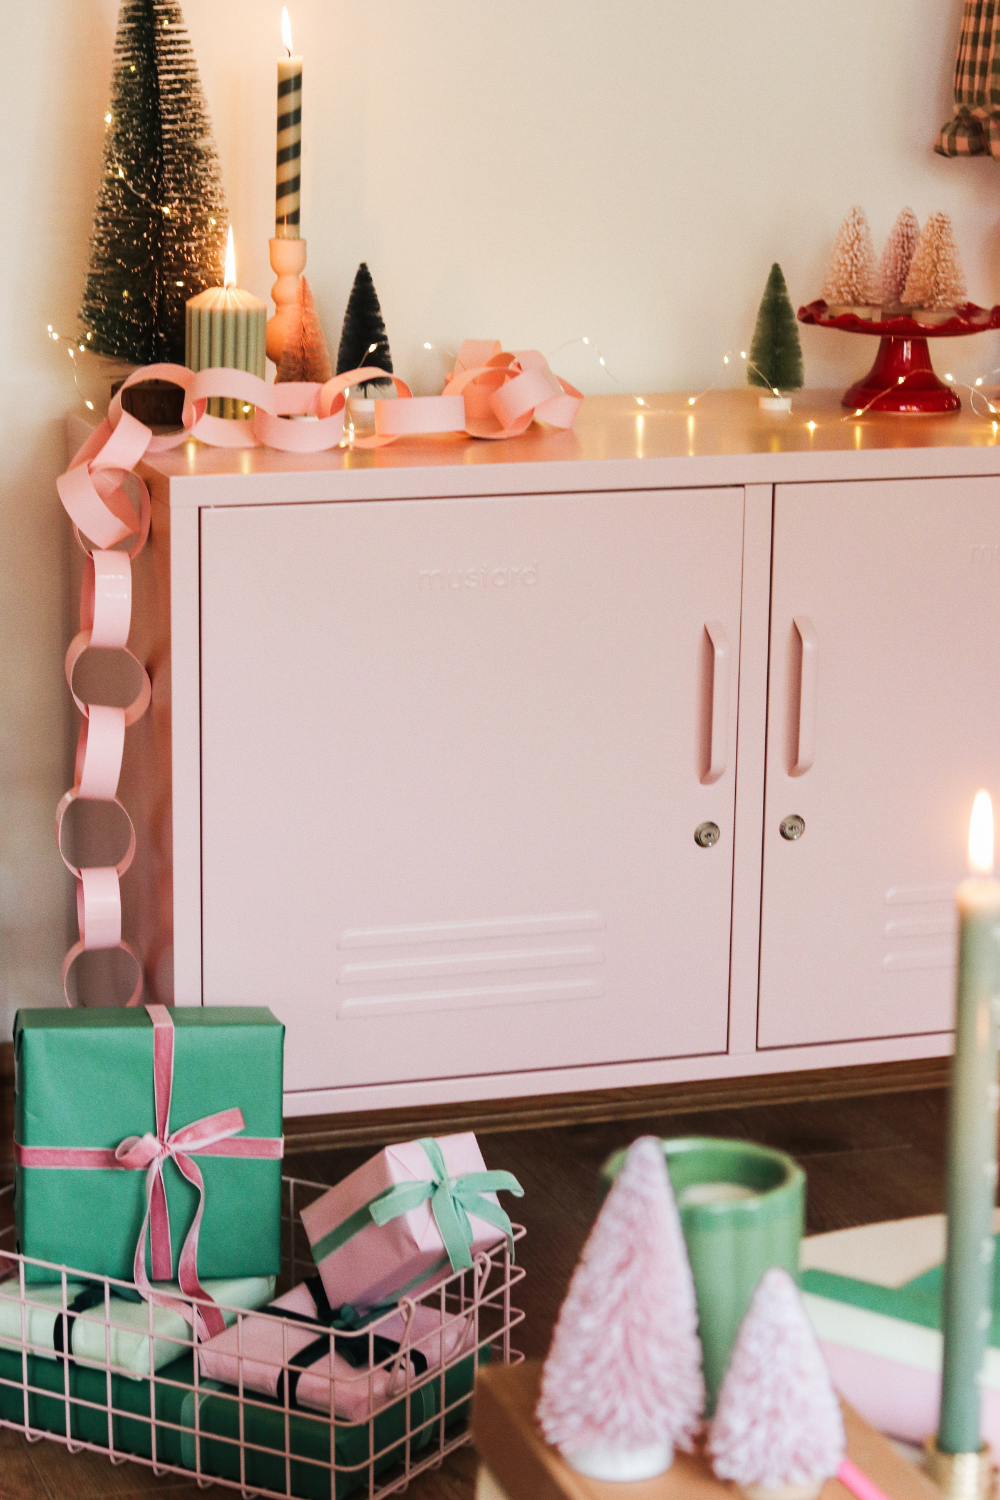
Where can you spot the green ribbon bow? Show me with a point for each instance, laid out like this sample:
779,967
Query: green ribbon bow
452,1200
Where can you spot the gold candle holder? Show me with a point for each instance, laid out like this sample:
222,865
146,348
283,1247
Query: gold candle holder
961,1476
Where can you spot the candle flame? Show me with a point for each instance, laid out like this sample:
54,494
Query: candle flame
286,30
230,273
981,835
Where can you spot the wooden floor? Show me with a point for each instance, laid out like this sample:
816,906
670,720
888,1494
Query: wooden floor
866,1159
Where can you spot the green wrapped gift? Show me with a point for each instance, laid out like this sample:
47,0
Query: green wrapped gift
103,1095
309,1435
132,1423
131,1420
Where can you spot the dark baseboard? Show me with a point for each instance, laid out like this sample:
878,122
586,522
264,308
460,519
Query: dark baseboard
376,1127
323,1132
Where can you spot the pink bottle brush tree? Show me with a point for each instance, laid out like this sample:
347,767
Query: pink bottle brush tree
897,257
851,281
778,1428
622,1385
936,281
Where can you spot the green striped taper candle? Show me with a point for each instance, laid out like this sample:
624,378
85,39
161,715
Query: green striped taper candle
287,193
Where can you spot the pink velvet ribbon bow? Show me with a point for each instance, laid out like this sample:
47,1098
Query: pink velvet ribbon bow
214,1135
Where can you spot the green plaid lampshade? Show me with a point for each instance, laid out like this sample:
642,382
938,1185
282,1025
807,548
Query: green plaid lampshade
974,129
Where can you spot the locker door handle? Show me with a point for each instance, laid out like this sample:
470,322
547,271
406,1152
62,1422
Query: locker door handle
718,752
805,751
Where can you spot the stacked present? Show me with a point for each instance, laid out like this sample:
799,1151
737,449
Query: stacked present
142,1317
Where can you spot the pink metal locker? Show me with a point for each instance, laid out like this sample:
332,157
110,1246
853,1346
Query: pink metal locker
455,753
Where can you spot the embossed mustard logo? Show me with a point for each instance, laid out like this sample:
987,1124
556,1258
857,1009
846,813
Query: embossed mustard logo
984,552
515,576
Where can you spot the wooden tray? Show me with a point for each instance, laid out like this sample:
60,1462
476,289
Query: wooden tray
511,1446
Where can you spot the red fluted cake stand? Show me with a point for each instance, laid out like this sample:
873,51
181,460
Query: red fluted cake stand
902,379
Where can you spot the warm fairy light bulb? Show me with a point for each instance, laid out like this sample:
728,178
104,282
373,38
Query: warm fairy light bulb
743,354
980,380
230,272
725,359
370,350
811,426
949,377
859,412
286,30
691,400
428,346
639,401
981,835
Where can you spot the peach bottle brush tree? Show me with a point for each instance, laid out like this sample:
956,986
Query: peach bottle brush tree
777,1430
851,279
622,1385
305,355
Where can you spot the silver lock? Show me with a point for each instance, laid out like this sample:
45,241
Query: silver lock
792,827
707,834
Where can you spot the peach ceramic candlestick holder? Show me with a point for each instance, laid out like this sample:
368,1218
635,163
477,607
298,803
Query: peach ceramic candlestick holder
288,259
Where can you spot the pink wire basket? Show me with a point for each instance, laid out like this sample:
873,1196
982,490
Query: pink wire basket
407,1408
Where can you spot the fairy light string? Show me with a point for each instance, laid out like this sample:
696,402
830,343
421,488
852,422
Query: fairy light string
979,402
975,389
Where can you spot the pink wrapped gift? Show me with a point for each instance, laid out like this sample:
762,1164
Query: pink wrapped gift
409,1217
289,1340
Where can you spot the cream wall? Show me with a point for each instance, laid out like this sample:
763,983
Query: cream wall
624,169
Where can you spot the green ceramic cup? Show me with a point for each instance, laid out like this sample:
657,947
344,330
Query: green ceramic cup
742,1209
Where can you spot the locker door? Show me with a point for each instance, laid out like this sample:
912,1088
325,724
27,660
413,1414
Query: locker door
454,756
883,720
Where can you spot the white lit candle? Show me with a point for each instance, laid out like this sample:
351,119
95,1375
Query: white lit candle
287,195
972,1145
226,327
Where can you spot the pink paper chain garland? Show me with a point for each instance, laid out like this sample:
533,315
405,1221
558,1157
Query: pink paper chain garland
490,394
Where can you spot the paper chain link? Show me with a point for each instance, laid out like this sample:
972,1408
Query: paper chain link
490,394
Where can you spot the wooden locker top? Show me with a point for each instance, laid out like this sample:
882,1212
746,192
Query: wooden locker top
723,439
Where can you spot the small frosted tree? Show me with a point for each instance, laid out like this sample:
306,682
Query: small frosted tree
305,355
363,339
894,267
851,278
622,1385
777,1421
776,354
936,278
